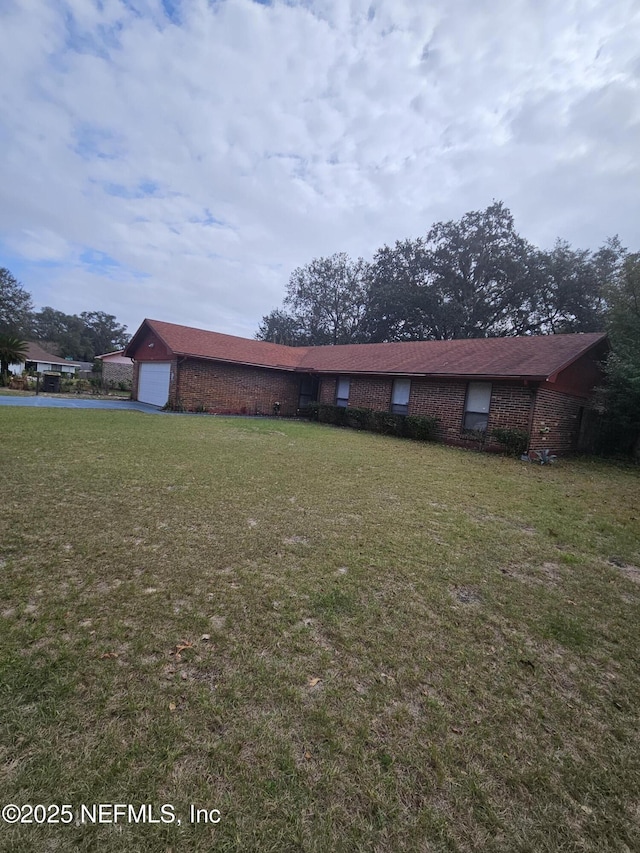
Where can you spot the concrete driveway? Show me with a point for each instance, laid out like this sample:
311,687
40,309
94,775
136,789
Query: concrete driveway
44,401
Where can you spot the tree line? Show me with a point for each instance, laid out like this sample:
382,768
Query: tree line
474,278
78,336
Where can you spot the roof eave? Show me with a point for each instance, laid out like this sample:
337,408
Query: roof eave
227,360
106,354
603,337
60,361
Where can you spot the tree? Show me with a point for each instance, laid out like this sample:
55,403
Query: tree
479,267
15,305
326,300
403,303
569,284
13,350
471,278
66,332
620,396
280,328
104,332
467,279
80,337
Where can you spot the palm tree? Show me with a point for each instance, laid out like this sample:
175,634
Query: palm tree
13,350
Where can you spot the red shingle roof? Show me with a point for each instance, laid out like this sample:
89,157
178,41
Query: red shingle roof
183,340
535,357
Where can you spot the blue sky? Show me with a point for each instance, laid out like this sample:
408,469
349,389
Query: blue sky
177,160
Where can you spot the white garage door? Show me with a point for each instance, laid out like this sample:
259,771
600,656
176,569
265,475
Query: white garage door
153,382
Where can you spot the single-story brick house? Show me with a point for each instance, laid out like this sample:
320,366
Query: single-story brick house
538,384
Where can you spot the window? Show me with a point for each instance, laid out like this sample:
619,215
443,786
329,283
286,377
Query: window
342,392
476,409
308,391
400,396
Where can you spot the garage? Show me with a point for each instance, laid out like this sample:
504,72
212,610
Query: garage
153,382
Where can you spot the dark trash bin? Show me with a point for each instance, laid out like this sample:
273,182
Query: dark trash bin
51,382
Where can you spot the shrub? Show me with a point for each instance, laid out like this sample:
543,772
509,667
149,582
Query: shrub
417,427
336,415
514,441
478,435
388,423
358,418
325,414
309,411
341,414
420,427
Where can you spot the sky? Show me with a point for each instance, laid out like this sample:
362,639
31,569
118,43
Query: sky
178,159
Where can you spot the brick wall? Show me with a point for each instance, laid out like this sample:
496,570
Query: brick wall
134,381
370,392
114,372
327,390
234,389
365,392
511,403
556,420
442,400
510,407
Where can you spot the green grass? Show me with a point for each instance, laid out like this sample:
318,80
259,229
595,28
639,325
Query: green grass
386,646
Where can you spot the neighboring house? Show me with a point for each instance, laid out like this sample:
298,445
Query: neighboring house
42,361
116,367
85,370
538,384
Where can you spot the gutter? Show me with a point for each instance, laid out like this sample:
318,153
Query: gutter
480,377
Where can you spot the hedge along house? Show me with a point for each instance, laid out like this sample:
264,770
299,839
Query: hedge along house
541,385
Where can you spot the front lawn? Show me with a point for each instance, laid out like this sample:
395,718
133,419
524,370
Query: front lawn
342,642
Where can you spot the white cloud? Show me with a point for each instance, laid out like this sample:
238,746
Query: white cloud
207,154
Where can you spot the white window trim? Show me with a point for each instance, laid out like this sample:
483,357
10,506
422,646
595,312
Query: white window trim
400,393
343,383
477,403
